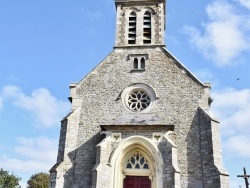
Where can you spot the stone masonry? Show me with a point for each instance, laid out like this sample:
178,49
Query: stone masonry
175,133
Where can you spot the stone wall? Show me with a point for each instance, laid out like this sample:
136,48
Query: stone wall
157,22
178,96
176,104
62,173
214,173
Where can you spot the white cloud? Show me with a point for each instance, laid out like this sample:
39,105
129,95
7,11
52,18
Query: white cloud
23,184
238,145
34,148
206,76
22,165
224,37
1,103
172,39
46,109
245,3
233,108
30,156
39,155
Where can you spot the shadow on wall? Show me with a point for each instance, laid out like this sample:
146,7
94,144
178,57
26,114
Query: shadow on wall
83,160
193,152
167,168
201,168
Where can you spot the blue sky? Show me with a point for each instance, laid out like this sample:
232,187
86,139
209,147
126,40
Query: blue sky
45,45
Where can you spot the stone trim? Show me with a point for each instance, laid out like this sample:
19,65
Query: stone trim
116,137
127,146
137,127
139,86
185,70
177,176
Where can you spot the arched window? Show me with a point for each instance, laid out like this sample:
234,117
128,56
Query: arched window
147,28
142,63
136,65
132,28
137,161
139,63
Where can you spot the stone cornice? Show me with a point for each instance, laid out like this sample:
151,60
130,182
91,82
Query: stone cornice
137,127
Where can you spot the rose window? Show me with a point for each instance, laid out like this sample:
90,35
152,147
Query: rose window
138,100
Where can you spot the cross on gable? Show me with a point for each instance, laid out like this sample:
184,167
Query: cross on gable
245,176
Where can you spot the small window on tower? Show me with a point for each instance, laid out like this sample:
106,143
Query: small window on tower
142,63
136,63
147,28
139,64
132,28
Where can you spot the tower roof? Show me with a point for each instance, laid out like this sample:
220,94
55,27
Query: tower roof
131,1
138,1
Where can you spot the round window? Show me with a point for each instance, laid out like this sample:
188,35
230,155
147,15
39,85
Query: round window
138,97
138,100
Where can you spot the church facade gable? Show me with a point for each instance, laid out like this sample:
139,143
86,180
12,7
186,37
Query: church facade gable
140,117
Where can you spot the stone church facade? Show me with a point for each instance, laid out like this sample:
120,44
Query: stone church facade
140,119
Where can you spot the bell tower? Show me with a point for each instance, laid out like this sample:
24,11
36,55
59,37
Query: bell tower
140,23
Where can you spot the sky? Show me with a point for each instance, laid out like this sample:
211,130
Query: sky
46,45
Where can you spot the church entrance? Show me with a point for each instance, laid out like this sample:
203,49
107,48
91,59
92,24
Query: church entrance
136,163
137,182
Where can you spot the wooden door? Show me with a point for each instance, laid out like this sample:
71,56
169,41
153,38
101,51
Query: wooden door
137,182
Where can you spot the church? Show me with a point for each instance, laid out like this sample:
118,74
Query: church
140,119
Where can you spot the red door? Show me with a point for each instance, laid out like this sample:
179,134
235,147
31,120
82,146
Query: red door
137,182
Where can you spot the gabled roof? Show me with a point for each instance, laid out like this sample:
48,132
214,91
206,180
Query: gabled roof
168,54
180,65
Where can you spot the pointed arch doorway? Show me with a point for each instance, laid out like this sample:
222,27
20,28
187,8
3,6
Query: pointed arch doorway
136,162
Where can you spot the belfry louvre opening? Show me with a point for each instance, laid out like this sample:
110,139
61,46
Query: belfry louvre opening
147,28
132,28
